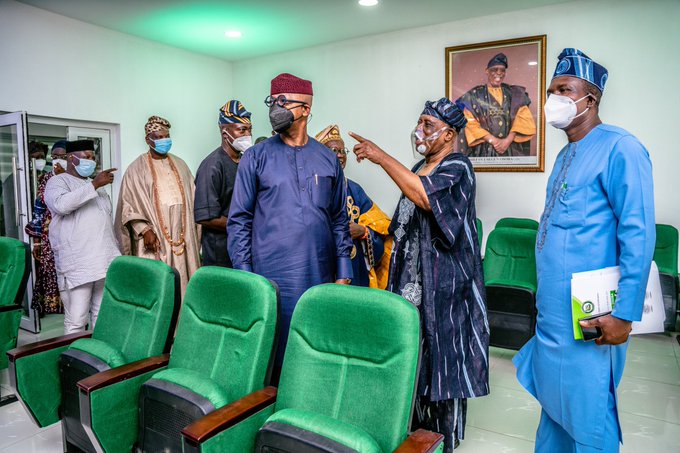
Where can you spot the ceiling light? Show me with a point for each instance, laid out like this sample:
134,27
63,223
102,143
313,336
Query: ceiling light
532,63
232,34
368,2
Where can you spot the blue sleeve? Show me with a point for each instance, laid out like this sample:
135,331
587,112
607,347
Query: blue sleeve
340,227
241,211
35,226
630,191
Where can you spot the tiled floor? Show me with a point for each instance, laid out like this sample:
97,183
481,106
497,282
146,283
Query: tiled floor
504,421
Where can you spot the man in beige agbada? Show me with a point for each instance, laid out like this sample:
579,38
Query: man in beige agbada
155,214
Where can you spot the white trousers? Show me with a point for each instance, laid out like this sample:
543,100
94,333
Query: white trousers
81,302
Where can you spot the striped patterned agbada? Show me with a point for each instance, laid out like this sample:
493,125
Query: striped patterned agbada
436,264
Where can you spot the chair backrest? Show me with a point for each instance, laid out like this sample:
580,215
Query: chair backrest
510,258
666,249
516,222
353,355
15,267
227,329
139,307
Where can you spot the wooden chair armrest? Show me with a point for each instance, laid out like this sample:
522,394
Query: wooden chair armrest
229,415
420,441
122,373
45,345
10,307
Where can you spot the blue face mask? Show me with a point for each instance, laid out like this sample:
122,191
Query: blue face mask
162,145
86,167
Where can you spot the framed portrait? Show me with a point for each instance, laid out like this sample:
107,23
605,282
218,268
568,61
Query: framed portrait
501,85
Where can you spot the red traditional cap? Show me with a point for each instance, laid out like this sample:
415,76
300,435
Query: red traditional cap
288,83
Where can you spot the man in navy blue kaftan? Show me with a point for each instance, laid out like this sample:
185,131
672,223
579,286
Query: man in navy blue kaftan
288,219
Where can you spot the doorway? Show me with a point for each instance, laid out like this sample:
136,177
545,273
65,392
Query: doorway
20,175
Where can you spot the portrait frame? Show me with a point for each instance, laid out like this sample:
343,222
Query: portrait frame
466,81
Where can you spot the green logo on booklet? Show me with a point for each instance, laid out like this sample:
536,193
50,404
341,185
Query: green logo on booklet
588,307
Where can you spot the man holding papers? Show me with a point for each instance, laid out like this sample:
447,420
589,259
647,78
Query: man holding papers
599,212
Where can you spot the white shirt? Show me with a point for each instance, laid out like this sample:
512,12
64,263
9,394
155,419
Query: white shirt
81,230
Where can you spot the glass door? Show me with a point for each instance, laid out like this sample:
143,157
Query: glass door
16,202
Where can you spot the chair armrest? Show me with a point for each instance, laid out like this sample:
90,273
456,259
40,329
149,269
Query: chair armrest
421,441
10,307
229,415
122,373
45,345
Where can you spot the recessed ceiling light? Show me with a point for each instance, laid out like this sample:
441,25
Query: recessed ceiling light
368,2
532,63
232,34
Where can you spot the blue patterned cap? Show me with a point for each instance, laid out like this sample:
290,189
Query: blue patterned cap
447,111
573,62
233,112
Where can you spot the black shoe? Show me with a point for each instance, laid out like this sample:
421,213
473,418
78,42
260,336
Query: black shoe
456,444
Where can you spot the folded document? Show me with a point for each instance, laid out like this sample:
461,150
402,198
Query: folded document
594,292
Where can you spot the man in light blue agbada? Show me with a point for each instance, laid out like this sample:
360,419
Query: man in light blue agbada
599,212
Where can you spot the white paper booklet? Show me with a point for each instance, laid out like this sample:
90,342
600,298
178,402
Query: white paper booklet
594,292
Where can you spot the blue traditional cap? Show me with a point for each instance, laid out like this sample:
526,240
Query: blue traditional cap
447,111
573,62
59,144
233,112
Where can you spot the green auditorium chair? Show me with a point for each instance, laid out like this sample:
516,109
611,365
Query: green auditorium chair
223,350
136,320
510,278
347,385
666,258
15,267
516,222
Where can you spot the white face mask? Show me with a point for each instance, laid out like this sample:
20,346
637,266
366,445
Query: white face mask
61,162
40,164
560,111
241,144
419,135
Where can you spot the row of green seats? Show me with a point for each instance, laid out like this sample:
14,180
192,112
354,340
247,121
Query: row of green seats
347,384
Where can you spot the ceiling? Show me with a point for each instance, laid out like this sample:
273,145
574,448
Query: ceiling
269,26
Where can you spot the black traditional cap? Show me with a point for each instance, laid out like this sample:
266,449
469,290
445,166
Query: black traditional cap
79,145
498,60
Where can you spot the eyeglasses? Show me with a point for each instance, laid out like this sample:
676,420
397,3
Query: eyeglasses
281,101
342,151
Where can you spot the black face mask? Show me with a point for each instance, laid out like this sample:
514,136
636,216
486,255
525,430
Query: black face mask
280,118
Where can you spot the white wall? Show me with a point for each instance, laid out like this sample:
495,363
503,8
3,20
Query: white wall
59,67
376,86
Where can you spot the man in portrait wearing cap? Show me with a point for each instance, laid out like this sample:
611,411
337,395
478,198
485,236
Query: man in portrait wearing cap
154,218
436,264
499,120
215,182
599,212
288,220
368,224
81,234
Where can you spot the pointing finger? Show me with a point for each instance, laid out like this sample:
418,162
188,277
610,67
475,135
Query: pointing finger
357,137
